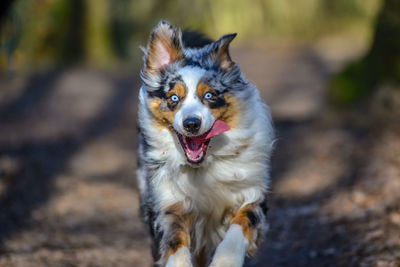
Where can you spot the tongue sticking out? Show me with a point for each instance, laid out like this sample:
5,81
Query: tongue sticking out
195,147
218,128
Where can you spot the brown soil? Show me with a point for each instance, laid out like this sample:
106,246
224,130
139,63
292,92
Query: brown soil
68,195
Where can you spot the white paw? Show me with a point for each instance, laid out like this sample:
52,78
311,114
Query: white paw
181,258
231,251
226,260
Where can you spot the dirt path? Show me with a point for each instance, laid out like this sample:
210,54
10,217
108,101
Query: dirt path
68,194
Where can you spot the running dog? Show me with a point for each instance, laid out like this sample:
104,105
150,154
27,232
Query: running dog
205,140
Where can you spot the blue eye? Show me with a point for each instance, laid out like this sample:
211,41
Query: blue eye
174,98
208,96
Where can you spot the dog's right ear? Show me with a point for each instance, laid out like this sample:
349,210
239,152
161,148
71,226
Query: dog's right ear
220,54
164,47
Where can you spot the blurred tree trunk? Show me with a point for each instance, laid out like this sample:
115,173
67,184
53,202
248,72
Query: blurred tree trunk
379,66
70,48
97,35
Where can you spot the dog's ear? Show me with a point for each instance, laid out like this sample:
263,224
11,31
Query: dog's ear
220,53
164,47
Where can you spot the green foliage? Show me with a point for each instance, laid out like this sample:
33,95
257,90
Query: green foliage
350,85
99,31
379,66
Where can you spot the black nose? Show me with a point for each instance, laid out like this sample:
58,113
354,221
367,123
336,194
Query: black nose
192,125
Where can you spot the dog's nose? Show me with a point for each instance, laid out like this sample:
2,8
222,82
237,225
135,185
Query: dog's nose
192,125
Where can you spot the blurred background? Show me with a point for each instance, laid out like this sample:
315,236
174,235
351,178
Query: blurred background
329,70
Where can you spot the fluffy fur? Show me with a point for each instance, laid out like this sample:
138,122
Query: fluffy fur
214,210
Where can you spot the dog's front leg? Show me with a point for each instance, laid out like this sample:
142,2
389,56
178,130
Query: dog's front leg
175,242
245,229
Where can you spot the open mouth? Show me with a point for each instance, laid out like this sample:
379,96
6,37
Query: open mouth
195,147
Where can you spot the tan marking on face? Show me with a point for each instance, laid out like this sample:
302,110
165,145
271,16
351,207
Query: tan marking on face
229,113
202,89
181,223
163,115
179,90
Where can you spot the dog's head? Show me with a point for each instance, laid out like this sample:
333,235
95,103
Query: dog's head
194,92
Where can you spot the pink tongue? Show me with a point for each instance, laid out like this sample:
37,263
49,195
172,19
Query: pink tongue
218,128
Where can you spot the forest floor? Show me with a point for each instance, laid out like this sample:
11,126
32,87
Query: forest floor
68,193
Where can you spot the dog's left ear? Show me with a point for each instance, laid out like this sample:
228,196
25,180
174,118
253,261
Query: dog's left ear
220,53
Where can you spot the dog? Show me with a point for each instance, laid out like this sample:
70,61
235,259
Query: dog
205,140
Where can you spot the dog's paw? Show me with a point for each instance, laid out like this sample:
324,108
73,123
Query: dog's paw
231,251
181,258
226,260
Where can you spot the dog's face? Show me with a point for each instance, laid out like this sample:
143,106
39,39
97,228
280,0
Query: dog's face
193,92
